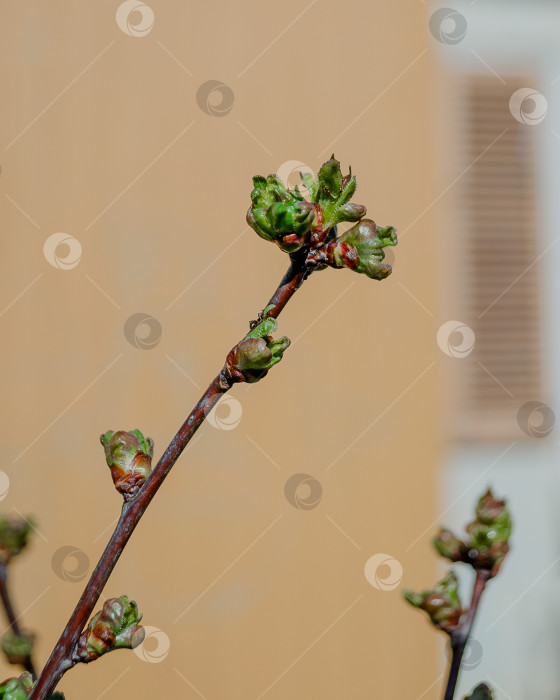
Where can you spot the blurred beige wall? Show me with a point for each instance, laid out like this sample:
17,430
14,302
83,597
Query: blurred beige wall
102,139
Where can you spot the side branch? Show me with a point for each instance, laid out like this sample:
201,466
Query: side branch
10,614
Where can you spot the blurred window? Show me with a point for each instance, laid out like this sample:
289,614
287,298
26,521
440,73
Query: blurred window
497,229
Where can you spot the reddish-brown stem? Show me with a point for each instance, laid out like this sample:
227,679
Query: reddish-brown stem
61,658
460,636
10,614
292,280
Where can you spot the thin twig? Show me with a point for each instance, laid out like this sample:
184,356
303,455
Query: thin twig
61,659
10,614
460,635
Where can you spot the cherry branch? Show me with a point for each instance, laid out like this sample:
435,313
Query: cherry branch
459,636
307,232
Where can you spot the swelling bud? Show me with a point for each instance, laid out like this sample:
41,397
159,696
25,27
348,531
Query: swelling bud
442,603
129,457
361,249
115,627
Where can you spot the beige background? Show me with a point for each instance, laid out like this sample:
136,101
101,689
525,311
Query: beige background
95,144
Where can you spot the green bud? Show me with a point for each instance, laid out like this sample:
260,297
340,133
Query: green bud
20,688
448,545
292,217
253,356
442,603
361,249
349,212
115,627
493,512
330,180
280,215
487,540
252,353
489,534
129,456
17,648
286,223
268,190
333,193
16,688
14,532
481,692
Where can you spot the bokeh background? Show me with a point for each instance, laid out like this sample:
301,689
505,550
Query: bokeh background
129,137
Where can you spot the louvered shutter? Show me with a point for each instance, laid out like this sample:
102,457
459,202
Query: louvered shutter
498,231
